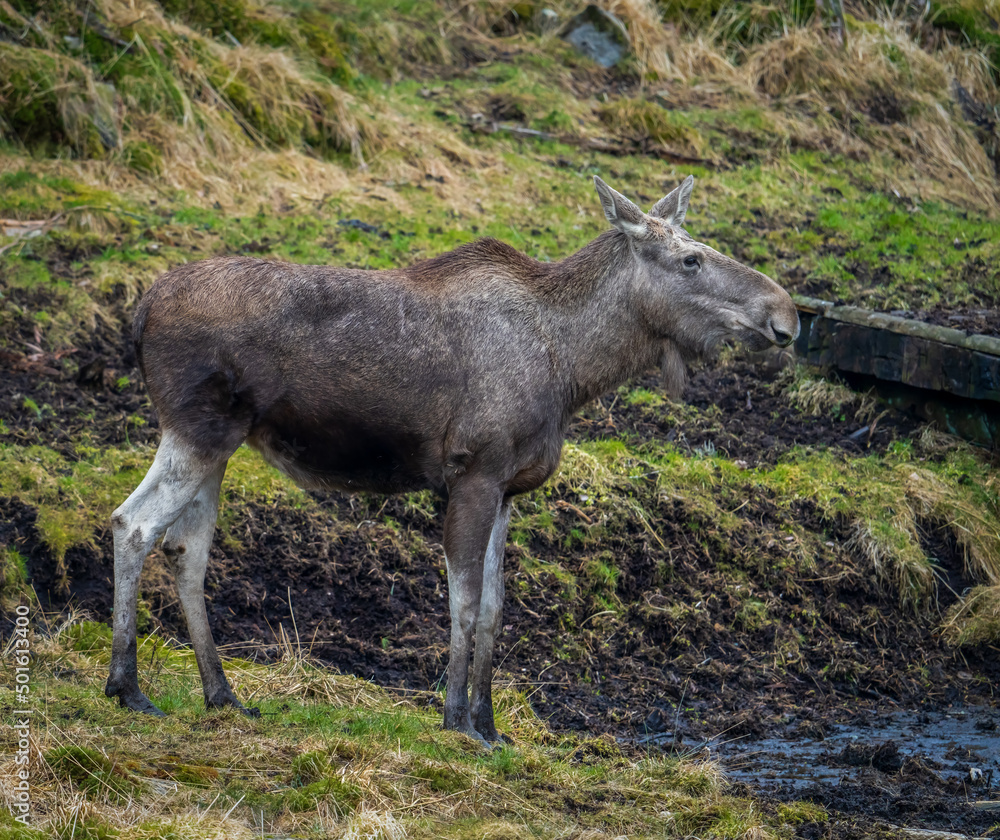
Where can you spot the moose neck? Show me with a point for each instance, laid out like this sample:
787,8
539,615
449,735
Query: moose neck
598,331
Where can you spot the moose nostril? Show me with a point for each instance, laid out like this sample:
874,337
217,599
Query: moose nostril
781,338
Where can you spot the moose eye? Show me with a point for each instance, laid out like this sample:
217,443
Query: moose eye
691,262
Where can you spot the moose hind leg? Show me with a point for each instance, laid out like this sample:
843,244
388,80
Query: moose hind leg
171,483
488,628
187,543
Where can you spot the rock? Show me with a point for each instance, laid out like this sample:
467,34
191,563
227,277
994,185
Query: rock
884,757
656,721
599,35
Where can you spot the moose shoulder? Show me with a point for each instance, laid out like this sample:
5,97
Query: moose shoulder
459,374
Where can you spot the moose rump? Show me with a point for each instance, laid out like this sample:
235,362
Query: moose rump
459,374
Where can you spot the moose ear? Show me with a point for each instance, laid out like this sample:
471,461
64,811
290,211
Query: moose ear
621,212
673,207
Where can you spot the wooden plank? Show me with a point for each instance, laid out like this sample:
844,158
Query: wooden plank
905,326
899,350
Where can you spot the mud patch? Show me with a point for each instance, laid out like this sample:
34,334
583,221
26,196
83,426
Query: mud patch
925,770
744,414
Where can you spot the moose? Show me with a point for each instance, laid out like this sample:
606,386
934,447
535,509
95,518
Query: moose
460,374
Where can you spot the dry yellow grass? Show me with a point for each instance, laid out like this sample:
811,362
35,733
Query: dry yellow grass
975,619
233,119
883,93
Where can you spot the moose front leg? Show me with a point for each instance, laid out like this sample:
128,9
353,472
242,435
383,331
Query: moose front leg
488,627
473,509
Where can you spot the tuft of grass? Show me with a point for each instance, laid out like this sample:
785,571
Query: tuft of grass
93,773
975,619
889,548
646,122
887,77
817,397
797,813
52,101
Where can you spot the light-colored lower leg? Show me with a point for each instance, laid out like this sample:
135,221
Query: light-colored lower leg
488,628
171,483
472,513
464,585
187,543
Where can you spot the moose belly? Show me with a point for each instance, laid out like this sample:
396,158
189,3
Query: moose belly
344,455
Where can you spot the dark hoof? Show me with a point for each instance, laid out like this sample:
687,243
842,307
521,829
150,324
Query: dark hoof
483,742
223,700
496,739
488,732
134,699
475,736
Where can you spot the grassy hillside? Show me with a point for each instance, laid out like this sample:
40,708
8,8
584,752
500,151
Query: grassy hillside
673,545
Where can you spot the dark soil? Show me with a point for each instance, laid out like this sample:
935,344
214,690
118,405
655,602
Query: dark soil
754,422
970,321
678,663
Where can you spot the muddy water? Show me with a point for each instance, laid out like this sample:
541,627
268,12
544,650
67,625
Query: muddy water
937,771
952,743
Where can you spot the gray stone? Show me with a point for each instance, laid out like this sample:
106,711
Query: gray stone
599,35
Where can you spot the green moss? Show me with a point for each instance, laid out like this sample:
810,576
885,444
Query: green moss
75,498
14,587
88,637
601,575
442,778
96,774
752,615
83,828
552,575
643,397
196,775
330,792
796,813
555,121
16,831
